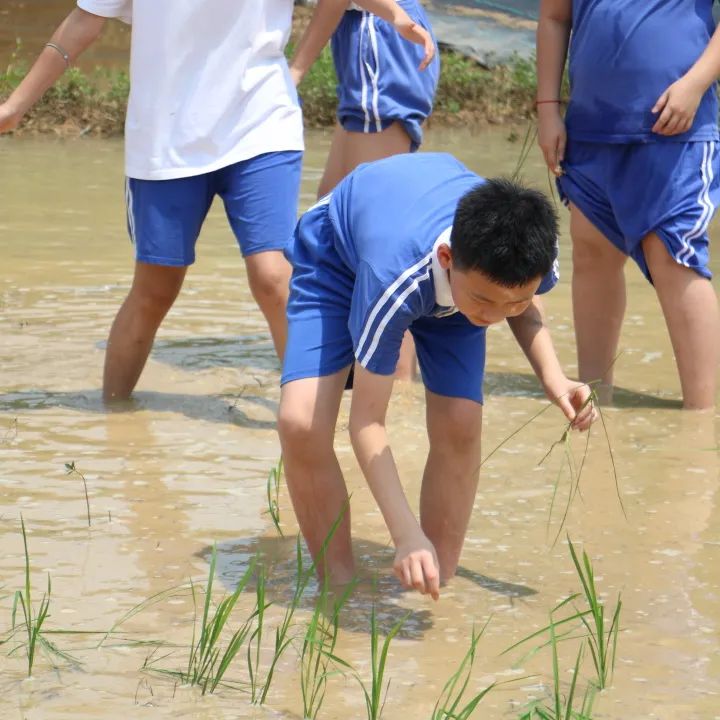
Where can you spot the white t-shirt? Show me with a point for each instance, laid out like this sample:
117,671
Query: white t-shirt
209,84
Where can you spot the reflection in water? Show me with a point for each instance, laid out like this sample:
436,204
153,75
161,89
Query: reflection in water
185,465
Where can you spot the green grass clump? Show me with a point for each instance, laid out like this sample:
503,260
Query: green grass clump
448,705
273,495
601,637
563,705
317,654
32,626
79,103
375,692
207,662
317,91
596,628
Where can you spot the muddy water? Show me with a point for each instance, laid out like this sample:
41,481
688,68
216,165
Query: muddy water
185,467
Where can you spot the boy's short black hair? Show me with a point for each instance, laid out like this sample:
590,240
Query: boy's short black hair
506,231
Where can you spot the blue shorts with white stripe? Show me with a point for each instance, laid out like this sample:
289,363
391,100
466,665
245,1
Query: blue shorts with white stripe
337,316
260,194
378,78
630,190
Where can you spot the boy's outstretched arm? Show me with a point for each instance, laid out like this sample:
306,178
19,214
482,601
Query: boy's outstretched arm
678,105
553,36
326,18
533,337
76,33
416,563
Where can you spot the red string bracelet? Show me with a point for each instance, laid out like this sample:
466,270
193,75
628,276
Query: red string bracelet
544,102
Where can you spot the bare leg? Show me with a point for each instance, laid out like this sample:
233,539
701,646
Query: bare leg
598,292
269,280
691,312
406,368
451,476
350,149
347,151
306,423
152,294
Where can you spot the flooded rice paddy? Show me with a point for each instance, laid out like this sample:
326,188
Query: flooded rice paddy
186,467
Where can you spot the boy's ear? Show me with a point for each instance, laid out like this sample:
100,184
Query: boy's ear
444,256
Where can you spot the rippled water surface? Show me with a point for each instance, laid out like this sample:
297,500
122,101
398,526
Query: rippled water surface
186,466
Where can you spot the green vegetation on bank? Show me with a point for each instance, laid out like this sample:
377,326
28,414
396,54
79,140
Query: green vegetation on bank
79,103
468,94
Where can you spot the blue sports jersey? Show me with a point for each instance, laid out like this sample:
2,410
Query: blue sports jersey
388,217
623,55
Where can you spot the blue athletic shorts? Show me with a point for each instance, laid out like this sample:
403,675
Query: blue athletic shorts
450,350
260,195
630,190
378,78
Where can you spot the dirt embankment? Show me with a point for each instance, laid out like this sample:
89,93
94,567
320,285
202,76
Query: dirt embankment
94,102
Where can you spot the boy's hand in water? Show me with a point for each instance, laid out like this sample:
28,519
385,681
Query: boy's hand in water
416,565
573,399
552,136
9,117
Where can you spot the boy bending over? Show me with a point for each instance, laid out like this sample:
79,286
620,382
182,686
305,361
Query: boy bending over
412,242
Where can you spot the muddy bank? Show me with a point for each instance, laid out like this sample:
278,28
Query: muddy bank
92,99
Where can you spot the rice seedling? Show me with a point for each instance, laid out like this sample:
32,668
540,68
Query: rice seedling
10,433
375,693
72,470
253,655
282,637
590,625
448,705
273,494
317,659
575,470
33,622
173,592
526,148
562,706
207,663
601,639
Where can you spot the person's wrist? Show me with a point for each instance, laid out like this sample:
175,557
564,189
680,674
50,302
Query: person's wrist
548,109
296,74
555,384
15,107
699,80
406,532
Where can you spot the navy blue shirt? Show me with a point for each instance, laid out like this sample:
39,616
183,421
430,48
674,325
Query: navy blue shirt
623,55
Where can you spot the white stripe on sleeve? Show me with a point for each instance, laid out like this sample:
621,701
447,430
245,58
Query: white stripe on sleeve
382,301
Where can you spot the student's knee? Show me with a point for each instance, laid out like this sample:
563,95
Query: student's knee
591,250
155,289
458,430
269,278
593,253
301,435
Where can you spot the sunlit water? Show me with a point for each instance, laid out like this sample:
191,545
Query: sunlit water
186,467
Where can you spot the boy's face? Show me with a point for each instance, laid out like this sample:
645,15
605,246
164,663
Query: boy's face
479,299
